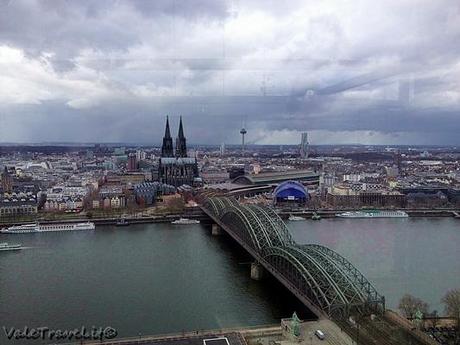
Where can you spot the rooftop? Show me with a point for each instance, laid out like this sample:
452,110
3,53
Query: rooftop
276,177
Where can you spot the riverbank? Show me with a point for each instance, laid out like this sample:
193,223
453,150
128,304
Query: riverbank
234,336
114,221
198,214
328,213
376,331
139,218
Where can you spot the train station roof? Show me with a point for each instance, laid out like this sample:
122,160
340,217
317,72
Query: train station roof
277,177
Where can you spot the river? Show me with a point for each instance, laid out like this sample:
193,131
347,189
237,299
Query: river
158,278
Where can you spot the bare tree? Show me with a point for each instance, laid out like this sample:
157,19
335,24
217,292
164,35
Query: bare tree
409,305
175,204
451,302
434,318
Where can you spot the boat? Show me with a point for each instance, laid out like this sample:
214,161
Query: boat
373,214
295,218
122,222
315,216
5,246
185,221
37,228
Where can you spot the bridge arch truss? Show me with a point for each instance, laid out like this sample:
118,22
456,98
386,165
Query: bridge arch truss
319,274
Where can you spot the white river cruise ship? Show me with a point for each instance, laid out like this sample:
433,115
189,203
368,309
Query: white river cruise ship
373,214
185,221
36,227
7,247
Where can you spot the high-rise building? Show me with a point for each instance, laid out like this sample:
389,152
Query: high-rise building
132,162
140,155
175,167
304,145
222,149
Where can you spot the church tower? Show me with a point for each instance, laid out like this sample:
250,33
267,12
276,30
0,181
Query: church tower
167,149
7,181
181,145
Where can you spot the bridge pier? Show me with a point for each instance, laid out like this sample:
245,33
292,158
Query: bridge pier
216,230
257,271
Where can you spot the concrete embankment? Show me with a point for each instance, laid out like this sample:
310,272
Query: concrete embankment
191,213
230,336
197,213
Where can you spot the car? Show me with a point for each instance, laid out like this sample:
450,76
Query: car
320,334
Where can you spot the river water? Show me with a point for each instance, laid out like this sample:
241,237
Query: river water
156,278
420,256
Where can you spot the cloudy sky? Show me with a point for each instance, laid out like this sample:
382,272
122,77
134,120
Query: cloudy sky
357,71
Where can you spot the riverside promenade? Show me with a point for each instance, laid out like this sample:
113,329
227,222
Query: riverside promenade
196,213
378,332
280,334
228,336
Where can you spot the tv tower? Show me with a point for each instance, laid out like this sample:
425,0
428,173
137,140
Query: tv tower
242,132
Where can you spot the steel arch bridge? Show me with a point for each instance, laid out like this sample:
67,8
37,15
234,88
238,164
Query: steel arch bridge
327,282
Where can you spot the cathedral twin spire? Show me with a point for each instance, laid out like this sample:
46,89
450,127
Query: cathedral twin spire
167,149
181,142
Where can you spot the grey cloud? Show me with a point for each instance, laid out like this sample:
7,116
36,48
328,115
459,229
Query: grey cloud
217,119
61,27
385,71
188,9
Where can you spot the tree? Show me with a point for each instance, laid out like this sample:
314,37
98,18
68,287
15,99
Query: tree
434,318
451,302
175,204
409,305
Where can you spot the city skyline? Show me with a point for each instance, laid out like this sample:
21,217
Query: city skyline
230,172
346,73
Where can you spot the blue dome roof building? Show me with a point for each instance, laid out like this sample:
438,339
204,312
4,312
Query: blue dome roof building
291,192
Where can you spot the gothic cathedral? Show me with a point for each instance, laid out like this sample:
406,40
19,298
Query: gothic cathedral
175,167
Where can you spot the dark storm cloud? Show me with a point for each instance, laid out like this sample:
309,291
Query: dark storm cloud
111,70
189,9
353,83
